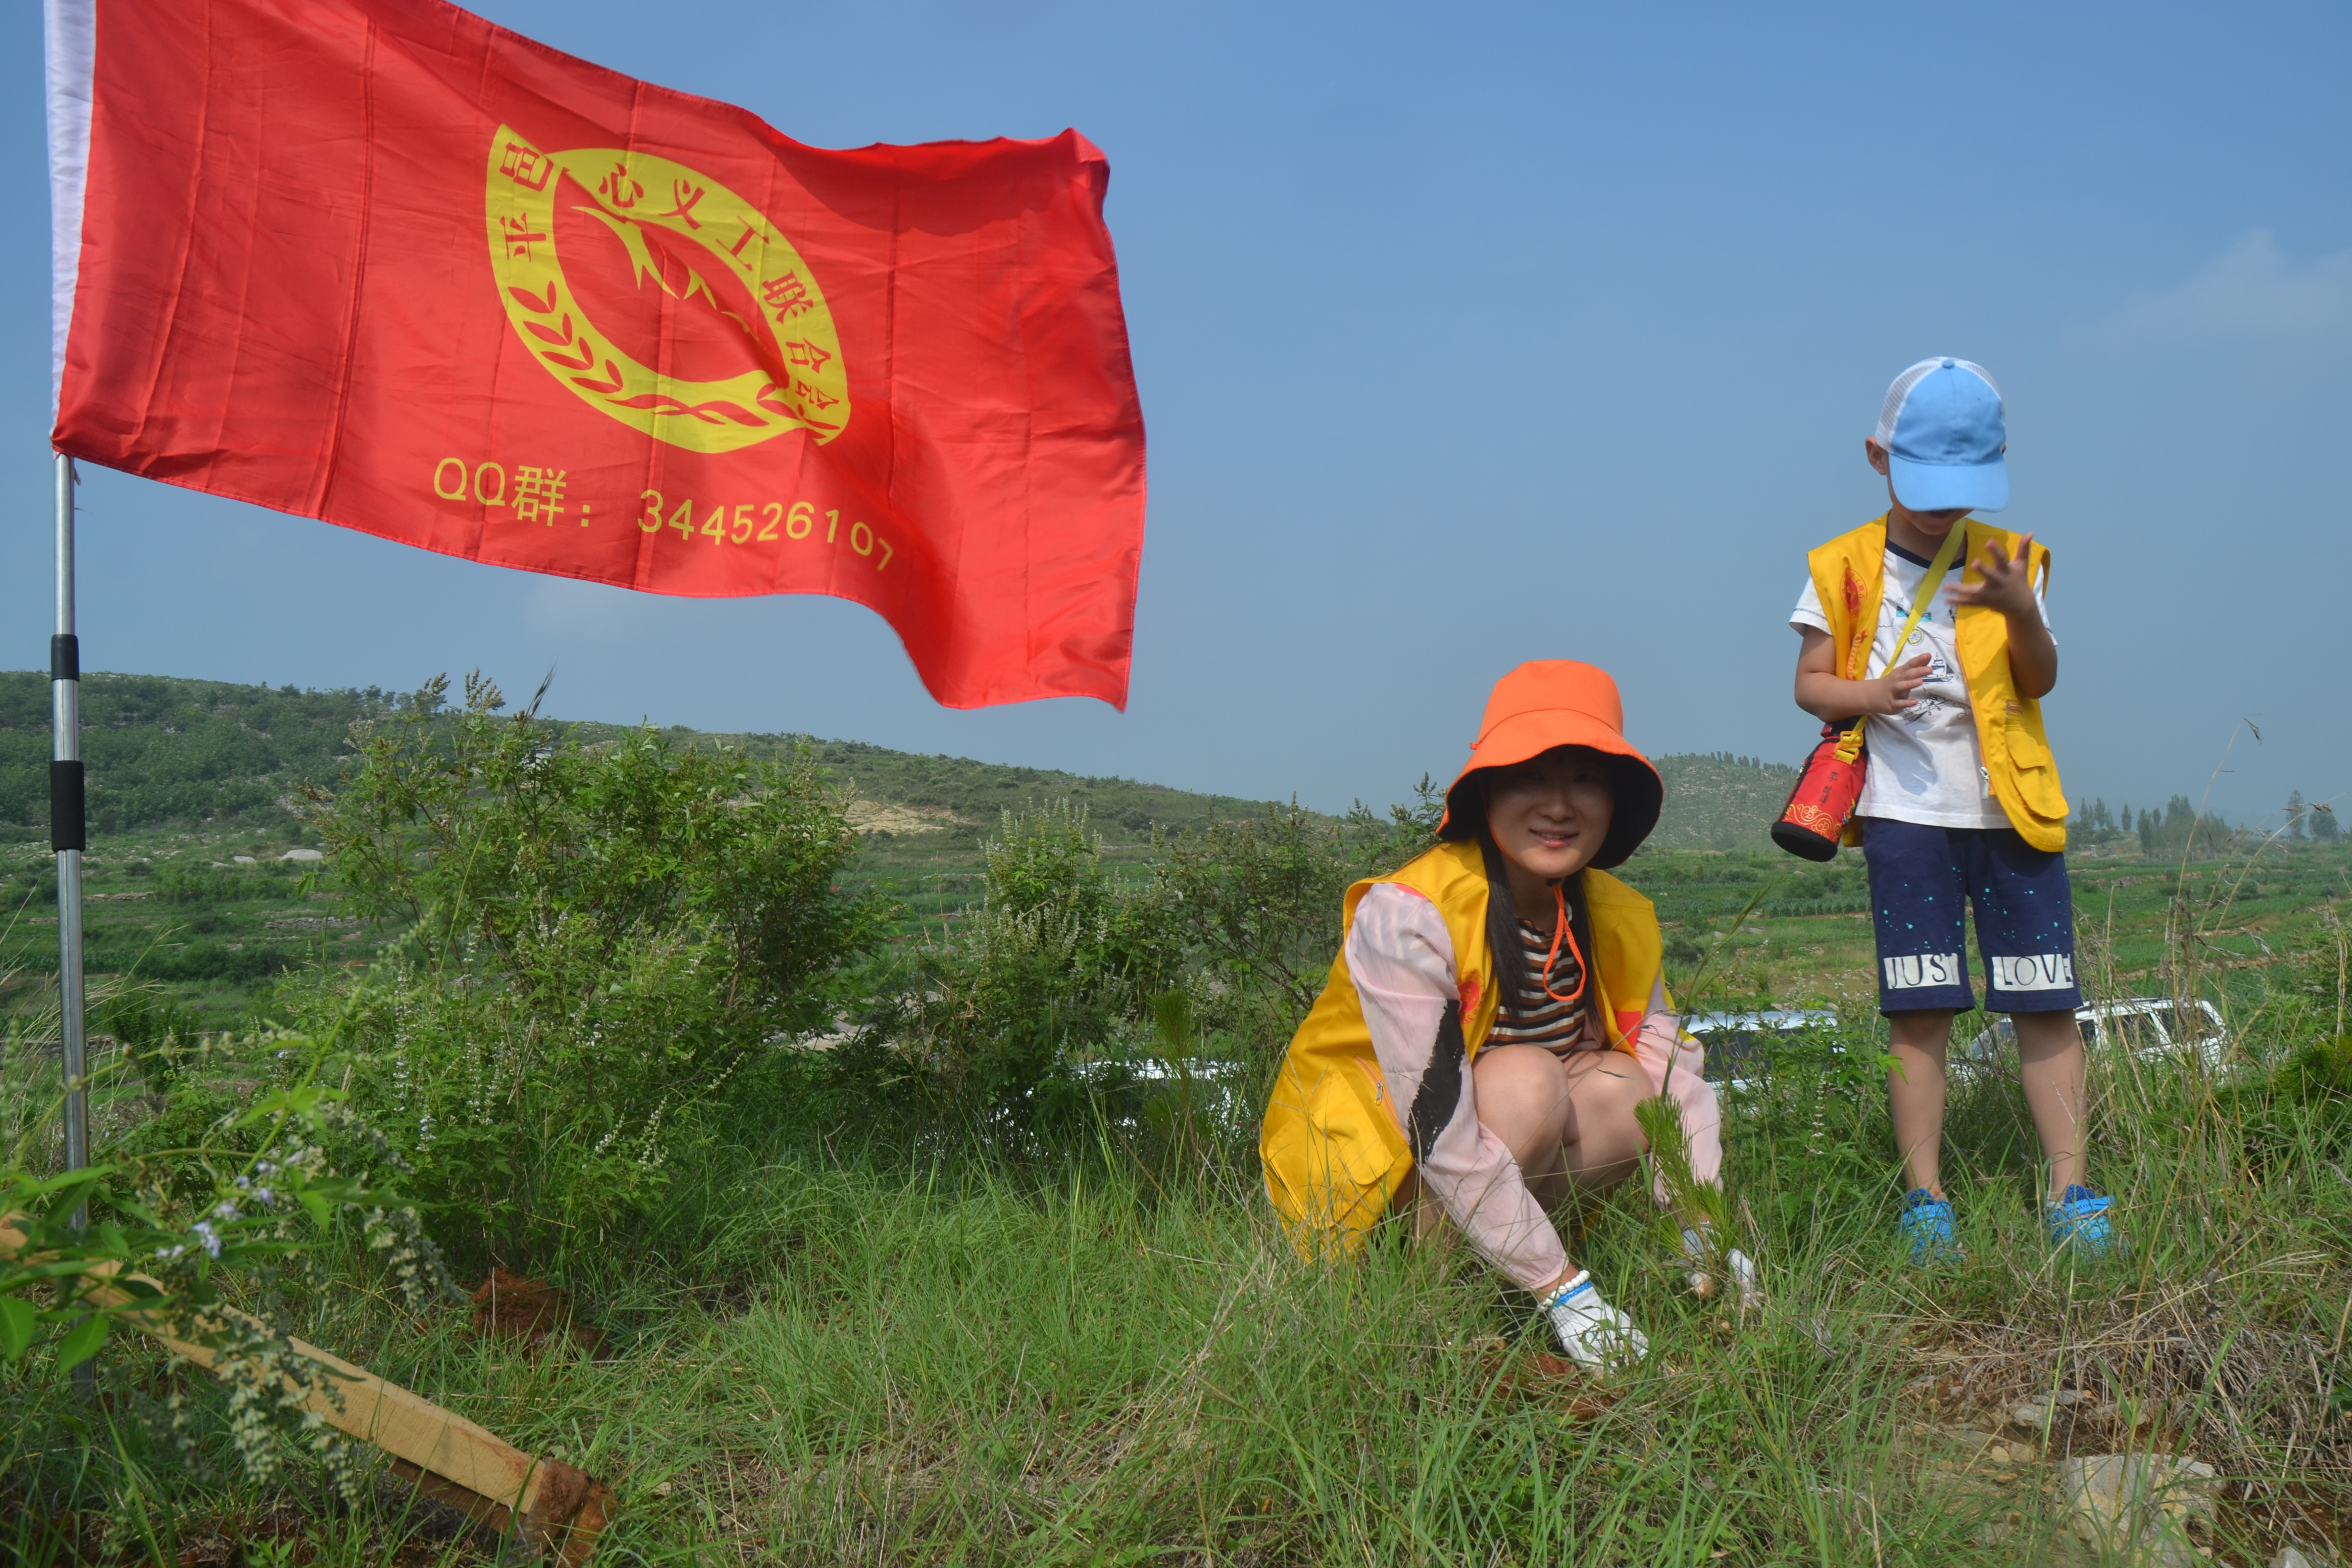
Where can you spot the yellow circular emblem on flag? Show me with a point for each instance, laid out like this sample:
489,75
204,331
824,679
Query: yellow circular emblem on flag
661,297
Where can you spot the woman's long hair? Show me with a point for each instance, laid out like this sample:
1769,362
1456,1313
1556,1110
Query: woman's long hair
1503,927
1513,992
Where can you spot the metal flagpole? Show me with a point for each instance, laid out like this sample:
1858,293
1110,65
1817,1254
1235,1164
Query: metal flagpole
66,828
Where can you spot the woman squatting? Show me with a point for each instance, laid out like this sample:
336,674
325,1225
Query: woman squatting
1497,1010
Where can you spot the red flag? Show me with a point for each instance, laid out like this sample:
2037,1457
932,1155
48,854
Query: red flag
382,263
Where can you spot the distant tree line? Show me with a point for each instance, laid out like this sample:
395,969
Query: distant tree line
2093,821
2317,824
2181,831
2177,830
2179,827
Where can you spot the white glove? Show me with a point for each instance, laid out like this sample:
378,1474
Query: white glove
1742,1269
1593,1333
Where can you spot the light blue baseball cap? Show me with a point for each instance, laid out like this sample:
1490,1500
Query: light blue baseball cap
1942,428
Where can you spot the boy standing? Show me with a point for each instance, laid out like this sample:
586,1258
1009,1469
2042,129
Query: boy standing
1961,800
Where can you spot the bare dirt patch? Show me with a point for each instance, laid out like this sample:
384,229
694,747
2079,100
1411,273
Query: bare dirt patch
881,816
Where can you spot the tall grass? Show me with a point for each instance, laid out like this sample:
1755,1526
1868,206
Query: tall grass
1082,1338
854,1358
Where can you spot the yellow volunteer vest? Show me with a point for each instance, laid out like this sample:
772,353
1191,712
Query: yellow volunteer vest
1849,575
1333,1152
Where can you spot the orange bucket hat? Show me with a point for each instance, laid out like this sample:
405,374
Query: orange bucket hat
1550,702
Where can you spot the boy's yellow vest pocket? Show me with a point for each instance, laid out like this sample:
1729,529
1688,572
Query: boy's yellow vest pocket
2035,770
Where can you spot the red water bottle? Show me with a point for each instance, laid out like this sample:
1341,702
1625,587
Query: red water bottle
1828,787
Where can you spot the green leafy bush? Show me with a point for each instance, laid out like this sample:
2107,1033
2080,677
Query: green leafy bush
609,948
154,1032
1042,1002
1053,971
1259,897
179,884
163,1239
2320,1072
206,959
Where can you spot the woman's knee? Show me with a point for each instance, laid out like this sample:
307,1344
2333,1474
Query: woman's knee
1605,1129
1614,1091
1523,1096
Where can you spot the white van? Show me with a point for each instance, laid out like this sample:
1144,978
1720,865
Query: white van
1739,1044
2148,1026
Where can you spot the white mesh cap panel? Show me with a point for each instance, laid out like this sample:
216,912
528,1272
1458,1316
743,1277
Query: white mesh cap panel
1892,409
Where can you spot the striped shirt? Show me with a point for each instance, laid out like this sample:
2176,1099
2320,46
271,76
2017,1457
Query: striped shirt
1557,1026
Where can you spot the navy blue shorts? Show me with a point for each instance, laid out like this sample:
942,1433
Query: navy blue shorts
1920,876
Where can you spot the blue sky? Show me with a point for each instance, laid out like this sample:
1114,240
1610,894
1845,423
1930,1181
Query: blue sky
1468,335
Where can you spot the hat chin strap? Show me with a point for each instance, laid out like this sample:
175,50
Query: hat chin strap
1561,926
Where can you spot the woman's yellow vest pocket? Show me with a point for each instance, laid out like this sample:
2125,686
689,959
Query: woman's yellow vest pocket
1350,1109
1347,1157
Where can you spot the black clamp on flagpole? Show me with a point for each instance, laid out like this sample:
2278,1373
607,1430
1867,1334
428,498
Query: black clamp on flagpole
69,817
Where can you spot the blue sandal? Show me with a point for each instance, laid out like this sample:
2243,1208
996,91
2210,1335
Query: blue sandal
1926,1223
2080,1219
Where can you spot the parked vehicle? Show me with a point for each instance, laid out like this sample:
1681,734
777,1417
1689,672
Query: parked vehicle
2149,1027
1213,1083
1739,1044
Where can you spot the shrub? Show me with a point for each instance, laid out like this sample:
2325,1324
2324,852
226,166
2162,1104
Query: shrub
247,1201
154,1032
1258,901
188,884
208,960
1033,1006
608,949
1054,970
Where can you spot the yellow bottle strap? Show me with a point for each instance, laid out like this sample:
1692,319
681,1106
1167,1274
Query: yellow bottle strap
1849,743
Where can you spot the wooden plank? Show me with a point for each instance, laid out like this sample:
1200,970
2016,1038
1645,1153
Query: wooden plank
561,1507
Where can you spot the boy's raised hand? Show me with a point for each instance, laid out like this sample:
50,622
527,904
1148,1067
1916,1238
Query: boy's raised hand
2004,583
1891,692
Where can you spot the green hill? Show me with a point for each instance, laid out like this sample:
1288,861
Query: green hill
187,885
943,792
1718,801
164,751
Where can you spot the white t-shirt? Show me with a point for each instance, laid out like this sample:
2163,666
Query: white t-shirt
1924,764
